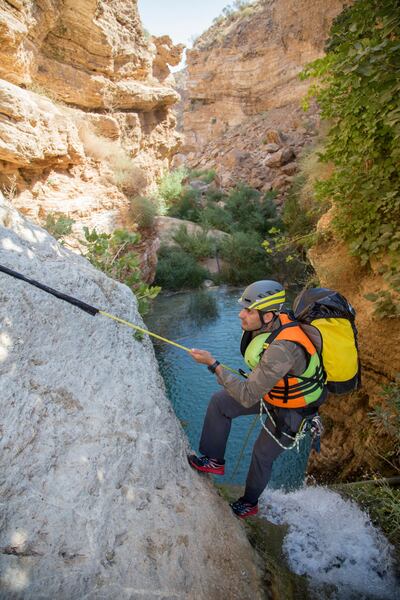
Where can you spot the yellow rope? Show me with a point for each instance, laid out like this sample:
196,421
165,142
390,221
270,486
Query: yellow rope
158,337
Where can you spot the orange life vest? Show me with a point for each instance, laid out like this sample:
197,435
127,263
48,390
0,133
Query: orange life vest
302,390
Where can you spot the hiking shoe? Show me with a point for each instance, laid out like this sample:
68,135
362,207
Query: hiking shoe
244,509
206,465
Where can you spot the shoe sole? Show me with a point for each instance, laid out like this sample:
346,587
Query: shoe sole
207,470
249,514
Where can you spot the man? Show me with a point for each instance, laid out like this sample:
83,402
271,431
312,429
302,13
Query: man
286,373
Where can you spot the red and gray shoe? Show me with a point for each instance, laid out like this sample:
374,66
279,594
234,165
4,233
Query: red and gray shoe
206,464
243,509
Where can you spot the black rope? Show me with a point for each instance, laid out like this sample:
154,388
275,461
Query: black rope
78,303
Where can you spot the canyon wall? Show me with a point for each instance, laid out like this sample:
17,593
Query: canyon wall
85,108
242,107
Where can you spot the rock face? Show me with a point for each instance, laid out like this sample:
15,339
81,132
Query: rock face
243,89
100,500
352,444
167,227
85,108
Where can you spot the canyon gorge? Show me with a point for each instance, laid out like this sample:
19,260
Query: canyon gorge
91,118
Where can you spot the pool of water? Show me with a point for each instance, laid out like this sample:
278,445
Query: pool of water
209,320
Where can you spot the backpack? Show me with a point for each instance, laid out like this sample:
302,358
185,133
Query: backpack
328,315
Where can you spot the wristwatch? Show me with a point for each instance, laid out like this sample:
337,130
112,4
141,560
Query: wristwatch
213,366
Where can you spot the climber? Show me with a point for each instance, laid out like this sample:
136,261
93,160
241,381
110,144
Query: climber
286,373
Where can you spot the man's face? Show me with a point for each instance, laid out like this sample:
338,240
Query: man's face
251,319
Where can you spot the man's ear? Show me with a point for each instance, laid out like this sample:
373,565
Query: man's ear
267,317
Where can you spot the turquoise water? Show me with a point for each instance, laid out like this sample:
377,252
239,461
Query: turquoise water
189,320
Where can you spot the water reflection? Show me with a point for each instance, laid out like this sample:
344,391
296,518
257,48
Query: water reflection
203,308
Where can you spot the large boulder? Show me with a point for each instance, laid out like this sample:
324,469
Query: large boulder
167,227
98,499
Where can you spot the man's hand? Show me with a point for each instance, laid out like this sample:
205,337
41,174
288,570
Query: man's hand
202,356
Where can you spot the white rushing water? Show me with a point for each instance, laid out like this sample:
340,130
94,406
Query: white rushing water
332,541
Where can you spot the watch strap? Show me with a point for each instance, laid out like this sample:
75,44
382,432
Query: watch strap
213,367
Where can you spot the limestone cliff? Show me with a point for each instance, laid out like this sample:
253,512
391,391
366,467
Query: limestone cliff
98,499
85,107
243,91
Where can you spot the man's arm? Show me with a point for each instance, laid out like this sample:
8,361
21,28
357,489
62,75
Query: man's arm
280,358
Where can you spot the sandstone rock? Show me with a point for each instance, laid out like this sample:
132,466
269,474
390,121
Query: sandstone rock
97,92
90,54
270,148
273,137
290,168
34,130
167,54
166,228
243,74
100,498
106,126
275,159
287,155
278,38
234,158
280,183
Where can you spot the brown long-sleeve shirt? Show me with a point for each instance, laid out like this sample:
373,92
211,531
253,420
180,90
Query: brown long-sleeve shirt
280,358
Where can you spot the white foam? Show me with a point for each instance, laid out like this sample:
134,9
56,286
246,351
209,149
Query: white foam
332,541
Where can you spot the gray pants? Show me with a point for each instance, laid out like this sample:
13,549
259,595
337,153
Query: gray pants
217,425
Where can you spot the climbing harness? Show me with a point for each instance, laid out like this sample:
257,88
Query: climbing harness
93,311
308,425
314,426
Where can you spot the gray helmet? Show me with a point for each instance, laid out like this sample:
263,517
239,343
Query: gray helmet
265,296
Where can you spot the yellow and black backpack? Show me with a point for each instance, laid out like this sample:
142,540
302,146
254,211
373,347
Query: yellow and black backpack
333,317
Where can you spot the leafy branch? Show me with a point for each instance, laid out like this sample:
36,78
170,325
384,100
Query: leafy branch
114,254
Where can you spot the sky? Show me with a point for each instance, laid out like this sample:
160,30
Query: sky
180,19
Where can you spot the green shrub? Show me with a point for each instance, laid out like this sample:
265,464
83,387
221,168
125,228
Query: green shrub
197,244
170,186
177,270
216,217
214,195
249,211
246,259
186,206
142,211
58,225
209,176
114,255
357,86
